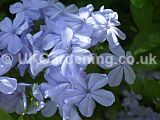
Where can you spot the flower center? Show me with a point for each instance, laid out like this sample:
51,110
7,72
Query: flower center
85,20
87,91
13,31
69,51
122,60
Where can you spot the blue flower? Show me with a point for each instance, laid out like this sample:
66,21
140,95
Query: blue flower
69,56
53,36
67,34
131,99
37,62
15,102
36,40
9,37
32,47
36,103
57,84
105,23
28,9
87,90
37,93
54,89
135,111
120,65
79,22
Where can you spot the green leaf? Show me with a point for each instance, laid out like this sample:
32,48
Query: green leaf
2,15
138,3
143,15
145,42
20,118
149,89
156,12
150,66
4,115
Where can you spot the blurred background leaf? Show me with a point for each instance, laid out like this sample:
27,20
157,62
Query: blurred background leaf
4,115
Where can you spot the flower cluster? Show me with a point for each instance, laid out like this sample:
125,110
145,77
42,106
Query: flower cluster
66,34
135,111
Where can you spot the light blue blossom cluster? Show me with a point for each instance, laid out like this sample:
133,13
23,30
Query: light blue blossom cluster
66,33
135,111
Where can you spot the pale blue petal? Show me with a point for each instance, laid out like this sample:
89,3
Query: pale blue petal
37,92
119,33
45,88
70,112
87,106
67,36
37,4
15,44
49,109
103,97
50,41
86,30
73,96
37,63
19,24
20,106
82,56
130,75
15,102
8,85
15,8
71,8
79,82
53,27
9,102
118,51
65,65
50,11
60,5
4,39
97,81
68,66
112,38
6,25
53,74
85,12
115,76
56,92
34,15
22,68
100,19
99,35
56,14
82,41
57,57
